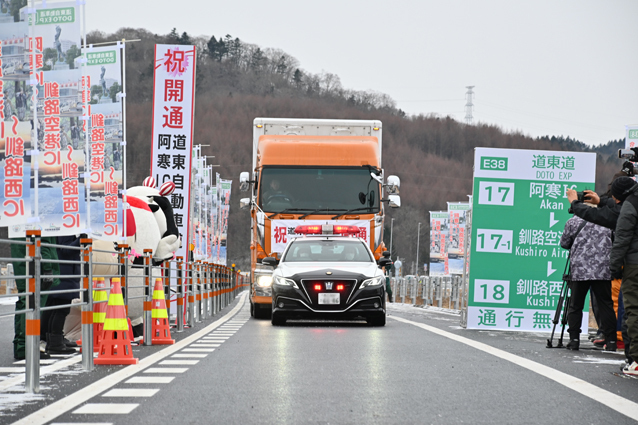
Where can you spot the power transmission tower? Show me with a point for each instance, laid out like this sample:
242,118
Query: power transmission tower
469,106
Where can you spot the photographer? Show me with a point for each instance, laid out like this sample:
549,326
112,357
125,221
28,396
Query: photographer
589,246
624,263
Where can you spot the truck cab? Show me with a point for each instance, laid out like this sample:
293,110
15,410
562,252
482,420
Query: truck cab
312,172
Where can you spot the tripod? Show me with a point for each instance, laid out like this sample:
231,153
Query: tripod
563,305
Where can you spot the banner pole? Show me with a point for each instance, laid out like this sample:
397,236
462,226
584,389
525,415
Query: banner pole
123,143
34,104
86,118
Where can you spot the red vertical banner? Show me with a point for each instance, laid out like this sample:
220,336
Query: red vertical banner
173,116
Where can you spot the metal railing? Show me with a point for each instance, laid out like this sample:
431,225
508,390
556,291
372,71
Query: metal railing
201,291
437,291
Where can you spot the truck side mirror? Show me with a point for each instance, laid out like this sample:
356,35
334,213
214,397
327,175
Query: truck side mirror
244,203
269,261
393,185
394,201
244,181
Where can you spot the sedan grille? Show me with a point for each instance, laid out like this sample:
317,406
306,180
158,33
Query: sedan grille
323,292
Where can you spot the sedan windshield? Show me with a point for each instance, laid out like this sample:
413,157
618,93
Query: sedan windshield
321,250
322,189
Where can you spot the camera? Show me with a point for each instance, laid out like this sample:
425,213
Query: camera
581,196
628,154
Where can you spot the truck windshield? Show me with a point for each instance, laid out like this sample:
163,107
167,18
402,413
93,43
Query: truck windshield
332,190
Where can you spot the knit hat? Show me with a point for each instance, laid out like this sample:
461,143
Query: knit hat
620,188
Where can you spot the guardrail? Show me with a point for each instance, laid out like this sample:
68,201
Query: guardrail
437,291
201,290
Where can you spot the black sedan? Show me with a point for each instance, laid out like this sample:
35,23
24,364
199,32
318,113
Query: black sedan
328,277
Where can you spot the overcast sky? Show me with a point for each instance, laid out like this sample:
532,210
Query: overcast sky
567,67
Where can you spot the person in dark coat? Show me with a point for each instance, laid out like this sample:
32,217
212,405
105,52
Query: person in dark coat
624,263
53,320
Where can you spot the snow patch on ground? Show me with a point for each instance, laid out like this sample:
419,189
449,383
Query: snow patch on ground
409,308
597,360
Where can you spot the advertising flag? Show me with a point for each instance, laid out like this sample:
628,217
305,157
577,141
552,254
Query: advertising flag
455,252
101,90
16,95
172,139
438,243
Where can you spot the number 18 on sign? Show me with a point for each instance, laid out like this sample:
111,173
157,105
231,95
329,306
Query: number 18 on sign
519,212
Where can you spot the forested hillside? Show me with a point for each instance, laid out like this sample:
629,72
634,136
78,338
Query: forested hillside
238,81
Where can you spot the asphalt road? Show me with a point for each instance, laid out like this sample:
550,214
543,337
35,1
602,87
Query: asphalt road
420,368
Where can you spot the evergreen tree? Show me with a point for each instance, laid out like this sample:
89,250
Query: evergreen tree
173,37
185,39
297,77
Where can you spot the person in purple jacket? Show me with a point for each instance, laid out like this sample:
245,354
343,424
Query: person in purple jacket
589,269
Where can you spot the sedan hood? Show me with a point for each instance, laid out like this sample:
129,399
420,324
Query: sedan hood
366,269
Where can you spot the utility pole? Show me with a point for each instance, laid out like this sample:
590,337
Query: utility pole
418,234
469,106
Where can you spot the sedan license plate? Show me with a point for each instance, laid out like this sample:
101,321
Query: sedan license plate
329,298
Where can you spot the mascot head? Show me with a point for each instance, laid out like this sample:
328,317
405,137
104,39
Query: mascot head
150,222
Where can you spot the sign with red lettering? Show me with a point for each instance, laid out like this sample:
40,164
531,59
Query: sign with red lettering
282,231
172,137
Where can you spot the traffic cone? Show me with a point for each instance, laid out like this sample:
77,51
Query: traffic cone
161,328
115,348
99,312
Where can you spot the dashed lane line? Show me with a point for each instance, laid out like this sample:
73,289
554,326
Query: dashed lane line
199,350
150,380
189,355
53,410
607,398
131,392
166,370
178,362
81,423
106,409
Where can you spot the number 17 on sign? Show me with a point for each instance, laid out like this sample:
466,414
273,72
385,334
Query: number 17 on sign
491,240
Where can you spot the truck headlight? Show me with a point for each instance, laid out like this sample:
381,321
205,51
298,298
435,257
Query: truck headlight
264,281
280,280
375,281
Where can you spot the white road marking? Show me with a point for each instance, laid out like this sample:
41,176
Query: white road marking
607,398
166,370
53,410
11,369
200,350
191,355
224,338
81,423
203,344
131,392
42,361
106,408
178,362
150,380
54,367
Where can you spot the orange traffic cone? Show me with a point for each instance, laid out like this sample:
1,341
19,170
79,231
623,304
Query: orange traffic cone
161,328
100,295
115,348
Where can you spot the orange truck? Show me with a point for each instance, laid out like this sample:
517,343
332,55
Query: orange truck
312,171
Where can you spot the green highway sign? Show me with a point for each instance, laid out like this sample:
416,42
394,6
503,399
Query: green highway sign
519,210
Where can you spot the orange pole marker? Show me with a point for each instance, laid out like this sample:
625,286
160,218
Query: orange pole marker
161,327
115,348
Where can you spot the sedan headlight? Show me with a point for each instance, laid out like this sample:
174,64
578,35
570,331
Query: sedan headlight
264,281
280,280
375,281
